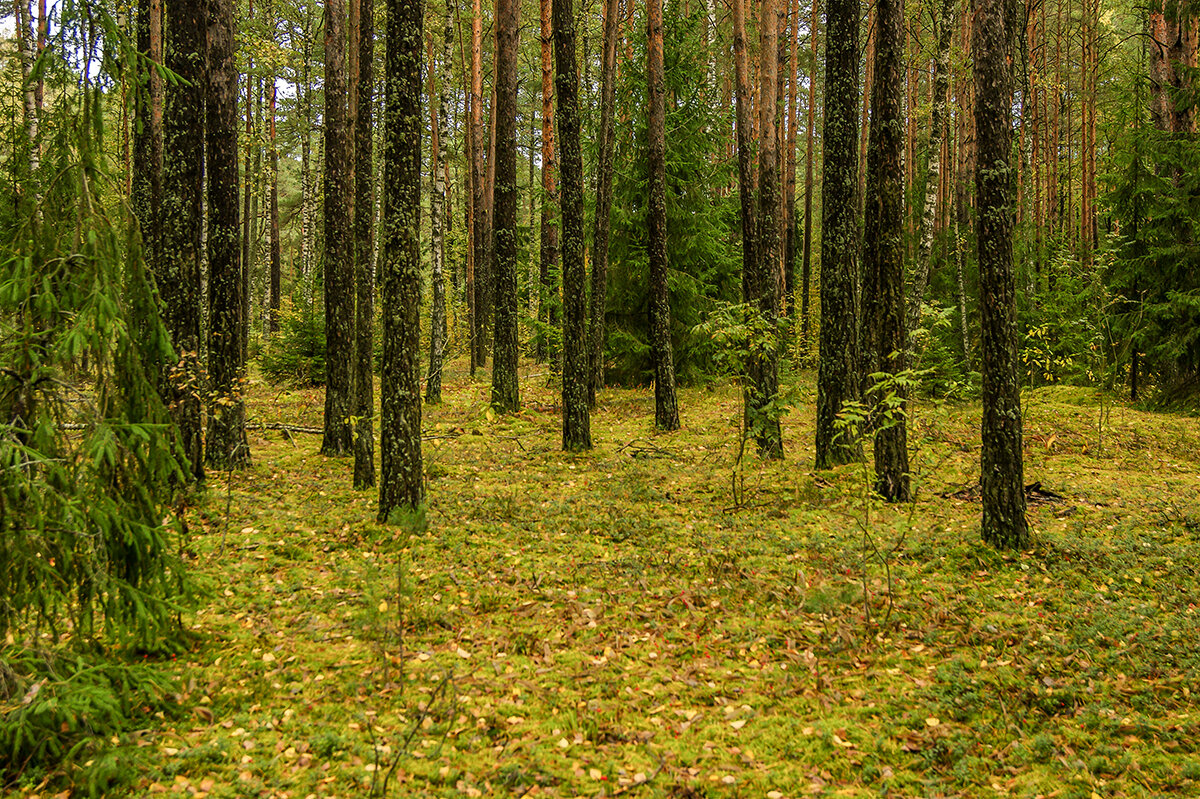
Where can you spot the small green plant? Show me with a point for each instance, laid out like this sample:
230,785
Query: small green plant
295,355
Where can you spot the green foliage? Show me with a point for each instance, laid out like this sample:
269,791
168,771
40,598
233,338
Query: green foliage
64,709
89,550
1066,334
1155,277
296,354
702,234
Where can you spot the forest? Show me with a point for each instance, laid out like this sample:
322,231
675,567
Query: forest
684,399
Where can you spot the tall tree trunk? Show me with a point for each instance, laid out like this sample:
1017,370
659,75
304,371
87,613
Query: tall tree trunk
938,123
401,485
276,244
183,186
548,255
744,149
868,92
1001,471
364,248
577,431
810,135
837,379
437,322
763,283
666,407
506,347
604,182
884,339
789,204
147,139
339,254
227,415
482,231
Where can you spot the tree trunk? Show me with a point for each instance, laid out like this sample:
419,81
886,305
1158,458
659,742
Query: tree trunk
577,432
183,186
364,249
763,282
939,120
147,138
506,346
401,485
884,339
744,148
666,407
806,262
276,279
837,379
437,322
227,445
339,254
789,203
604,183
482,231
548,255
1001,472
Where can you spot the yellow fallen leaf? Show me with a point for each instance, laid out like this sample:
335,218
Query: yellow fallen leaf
595,774
932,721
737,725
837,741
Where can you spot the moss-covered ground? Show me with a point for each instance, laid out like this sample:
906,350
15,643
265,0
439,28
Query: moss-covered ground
650,619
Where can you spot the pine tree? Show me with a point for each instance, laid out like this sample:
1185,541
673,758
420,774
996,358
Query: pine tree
577,432
1001,471
505,349
837,379
227,444
401,484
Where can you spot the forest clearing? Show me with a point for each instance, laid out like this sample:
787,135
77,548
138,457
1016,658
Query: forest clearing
609,624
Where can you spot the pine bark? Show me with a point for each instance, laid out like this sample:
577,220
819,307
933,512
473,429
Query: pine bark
884,339
440,122
762,283
339,253
604,183
577,433
147,138
227,445
1001,472
837,378
276,276
745,155
506,395
401,485
810,135
666,407
482,232
183,185
364,248
789,204
548,253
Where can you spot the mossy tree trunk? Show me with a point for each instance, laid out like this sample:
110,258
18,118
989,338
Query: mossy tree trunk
339,254
506,308
1002,470
837,377
401,485
884,341
364,249
227,445
440,129
666,407
577,432
180,215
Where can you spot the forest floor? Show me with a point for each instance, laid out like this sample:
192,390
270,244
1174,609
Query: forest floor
626,621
